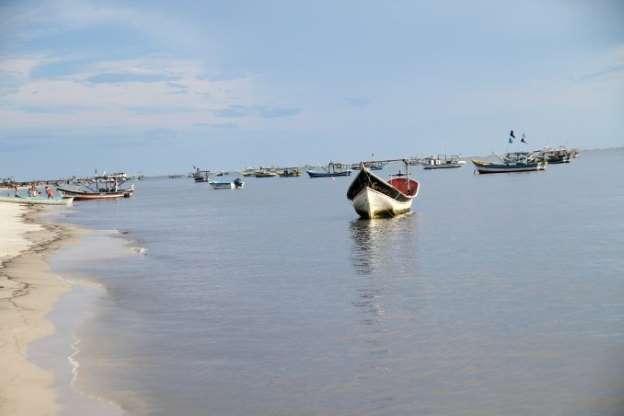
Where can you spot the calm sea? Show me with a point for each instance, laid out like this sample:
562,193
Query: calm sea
499,294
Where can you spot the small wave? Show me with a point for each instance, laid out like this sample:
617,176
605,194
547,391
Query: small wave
130,242
75,365
111,231
139,250
112,407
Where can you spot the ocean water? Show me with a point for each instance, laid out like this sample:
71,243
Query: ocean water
499,294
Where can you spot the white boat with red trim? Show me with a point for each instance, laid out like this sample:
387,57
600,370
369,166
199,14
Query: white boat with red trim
374,197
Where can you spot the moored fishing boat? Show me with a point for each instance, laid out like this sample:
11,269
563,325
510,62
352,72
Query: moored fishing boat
414,160
511,162
442,162
333,169
83,194
98,187
556,156
374,197
289,172
200,175
265,173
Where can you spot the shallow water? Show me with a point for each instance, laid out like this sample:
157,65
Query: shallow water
499,294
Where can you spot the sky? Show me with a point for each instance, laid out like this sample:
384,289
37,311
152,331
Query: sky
159,86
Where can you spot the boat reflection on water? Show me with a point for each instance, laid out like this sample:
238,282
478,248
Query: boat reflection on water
384,245
384,253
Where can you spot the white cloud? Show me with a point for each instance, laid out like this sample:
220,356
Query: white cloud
57,16
176,95
20,67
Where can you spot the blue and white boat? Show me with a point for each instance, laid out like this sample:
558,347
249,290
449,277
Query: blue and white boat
235,184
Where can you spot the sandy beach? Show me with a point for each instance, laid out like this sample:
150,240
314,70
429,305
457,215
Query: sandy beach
28,291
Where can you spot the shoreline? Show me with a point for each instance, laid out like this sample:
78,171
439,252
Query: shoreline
29,290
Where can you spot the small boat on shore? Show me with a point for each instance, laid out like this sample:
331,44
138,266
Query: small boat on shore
374,197
332,170
511,162
98,187
84,194
37,200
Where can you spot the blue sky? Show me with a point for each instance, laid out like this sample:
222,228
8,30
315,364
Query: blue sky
157,86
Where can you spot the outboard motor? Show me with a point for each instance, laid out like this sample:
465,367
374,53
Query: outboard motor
238,183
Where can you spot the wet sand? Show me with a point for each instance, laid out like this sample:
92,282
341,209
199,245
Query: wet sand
28,292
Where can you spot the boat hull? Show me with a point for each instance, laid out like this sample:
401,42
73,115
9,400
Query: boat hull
314,174
87,196
369,204
558,161
222,185
443,166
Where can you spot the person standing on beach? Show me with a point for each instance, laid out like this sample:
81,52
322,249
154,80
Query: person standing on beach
48,192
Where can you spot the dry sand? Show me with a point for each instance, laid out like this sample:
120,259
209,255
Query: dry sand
28,291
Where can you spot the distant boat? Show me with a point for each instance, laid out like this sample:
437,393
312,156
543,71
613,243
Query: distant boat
375,166
374,197
37,200
263,173
369,165
442,162
200,175
413,161
221,184
333,169
238,183
556,156
511,162
235,184
289,172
